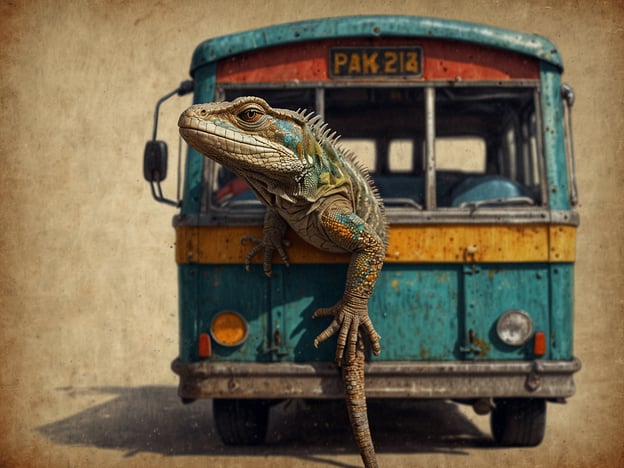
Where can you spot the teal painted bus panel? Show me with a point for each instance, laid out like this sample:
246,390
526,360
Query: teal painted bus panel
297,291
491,290
230,287
417,309
219,48
562,306
188,310
554,139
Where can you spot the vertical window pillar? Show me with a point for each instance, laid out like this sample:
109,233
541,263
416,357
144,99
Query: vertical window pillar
430,176
319,98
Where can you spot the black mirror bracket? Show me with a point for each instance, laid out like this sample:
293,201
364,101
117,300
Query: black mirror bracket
155,154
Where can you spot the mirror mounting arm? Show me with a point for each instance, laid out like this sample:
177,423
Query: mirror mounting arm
155,153
567,93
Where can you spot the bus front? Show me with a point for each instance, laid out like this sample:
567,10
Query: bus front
462,128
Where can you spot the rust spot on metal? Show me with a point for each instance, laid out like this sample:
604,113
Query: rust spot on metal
480,346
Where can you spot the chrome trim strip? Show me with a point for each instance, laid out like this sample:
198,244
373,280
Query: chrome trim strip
396,216
223,85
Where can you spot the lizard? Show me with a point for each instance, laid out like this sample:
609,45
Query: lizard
311,183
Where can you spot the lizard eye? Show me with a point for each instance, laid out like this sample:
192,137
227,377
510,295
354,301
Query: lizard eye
251,115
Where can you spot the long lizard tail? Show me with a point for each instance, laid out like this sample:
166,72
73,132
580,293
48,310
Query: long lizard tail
353,379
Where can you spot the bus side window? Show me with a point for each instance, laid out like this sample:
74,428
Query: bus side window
466,154
402,182
486,152
392,165
510,153
230,190
457,158
365,151
401,157
518,154
530,154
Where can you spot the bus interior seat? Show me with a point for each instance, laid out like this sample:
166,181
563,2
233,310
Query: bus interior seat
489,187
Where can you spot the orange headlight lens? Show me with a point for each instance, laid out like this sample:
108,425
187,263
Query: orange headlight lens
229,328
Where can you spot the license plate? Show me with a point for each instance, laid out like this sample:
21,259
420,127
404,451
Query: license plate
364,62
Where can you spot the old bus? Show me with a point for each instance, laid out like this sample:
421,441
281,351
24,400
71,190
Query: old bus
466,131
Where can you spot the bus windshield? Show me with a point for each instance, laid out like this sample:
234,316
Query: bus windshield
442,147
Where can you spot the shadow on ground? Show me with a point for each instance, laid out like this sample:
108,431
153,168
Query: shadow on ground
152,419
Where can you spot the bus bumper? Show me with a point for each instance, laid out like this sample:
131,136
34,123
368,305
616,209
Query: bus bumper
450,379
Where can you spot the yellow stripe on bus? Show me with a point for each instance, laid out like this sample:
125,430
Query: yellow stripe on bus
408,244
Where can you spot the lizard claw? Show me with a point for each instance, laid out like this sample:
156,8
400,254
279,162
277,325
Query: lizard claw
348,315
269,248
272,240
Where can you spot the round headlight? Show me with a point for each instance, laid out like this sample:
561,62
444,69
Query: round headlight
229,328
514,327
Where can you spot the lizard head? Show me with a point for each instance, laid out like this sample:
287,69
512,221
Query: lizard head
249,137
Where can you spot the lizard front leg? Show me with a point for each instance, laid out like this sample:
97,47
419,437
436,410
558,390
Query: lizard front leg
272,240
347,230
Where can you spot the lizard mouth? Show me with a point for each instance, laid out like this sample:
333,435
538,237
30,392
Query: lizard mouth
232,147
203,136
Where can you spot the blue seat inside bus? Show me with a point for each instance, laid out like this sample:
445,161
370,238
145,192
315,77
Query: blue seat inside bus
489,187
452,189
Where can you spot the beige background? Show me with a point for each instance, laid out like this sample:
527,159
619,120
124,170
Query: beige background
88,282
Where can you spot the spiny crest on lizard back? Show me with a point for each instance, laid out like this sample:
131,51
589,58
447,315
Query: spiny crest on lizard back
337,154
340,169
333,150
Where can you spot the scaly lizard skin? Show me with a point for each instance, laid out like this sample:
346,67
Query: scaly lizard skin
311,184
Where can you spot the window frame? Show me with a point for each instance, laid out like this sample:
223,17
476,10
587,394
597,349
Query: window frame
430,210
